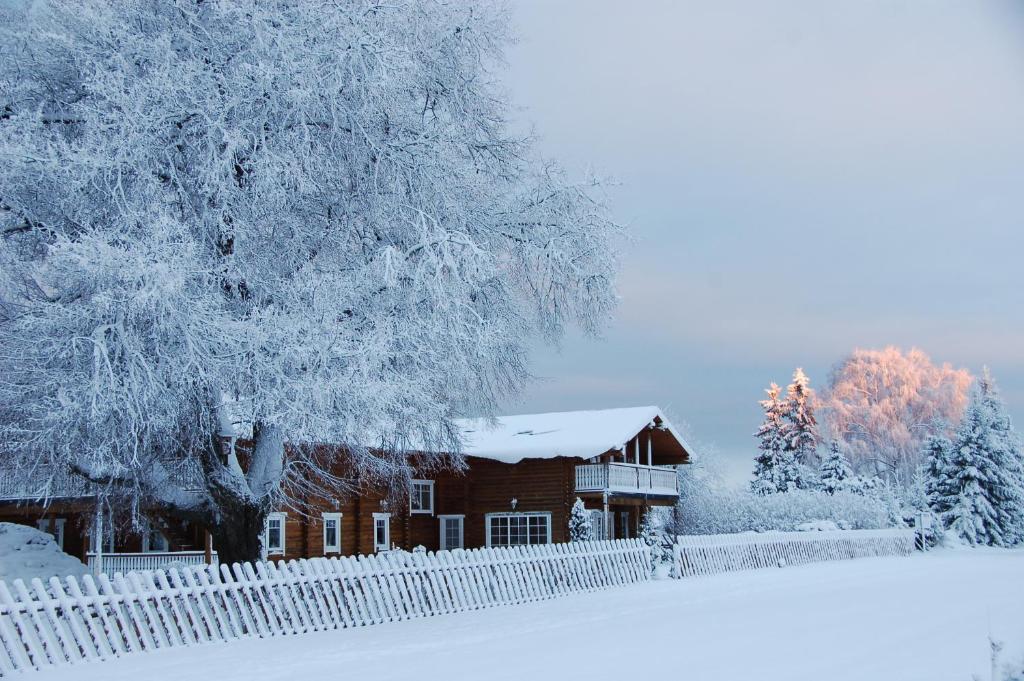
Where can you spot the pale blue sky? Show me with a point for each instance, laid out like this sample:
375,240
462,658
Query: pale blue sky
801,178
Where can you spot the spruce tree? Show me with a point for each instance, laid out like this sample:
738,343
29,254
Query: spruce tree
800,428
940,482
775,470
579,523
836,474
972,513
1007,491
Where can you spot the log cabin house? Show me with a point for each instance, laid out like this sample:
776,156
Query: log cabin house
523,475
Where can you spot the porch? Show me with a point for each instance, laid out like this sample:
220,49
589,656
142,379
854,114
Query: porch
628,479
111,563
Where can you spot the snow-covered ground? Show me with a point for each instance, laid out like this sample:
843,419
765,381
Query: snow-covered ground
926,617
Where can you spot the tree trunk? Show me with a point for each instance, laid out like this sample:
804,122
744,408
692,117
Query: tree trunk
238,532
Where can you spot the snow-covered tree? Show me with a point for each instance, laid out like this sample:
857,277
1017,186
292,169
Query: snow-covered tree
800,427
649,528
885,404
940,477
297,223
1007,492
836,474
775,468
580,528
972,515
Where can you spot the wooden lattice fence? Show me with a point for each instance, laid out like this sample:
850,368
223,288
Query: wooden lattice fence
715,553
70,621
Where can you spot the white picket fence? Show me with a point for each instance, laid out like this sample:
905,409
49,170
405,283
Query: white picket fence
72,621
714,553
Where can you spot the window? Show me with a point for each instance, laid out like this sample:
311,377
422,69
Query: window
381,531
518,529
332,533
273,534
451,531
421,497
53,527
624,525
153,540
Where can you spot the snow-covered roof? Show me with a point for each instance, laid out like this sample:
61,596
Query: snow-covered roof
582,434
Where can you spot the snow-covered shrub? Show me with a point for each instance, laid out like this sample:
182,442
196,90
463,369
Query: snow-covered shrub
708,506
579,523
818,526
25,553
728,511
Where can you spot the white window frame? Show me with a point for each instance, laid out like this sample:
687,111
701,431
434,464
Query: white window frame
413,495
489,516
44,525
275,550
386,546
147,533
336,546
462,531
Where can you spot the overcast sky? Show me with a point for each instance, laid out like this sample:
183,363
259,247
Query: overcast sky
801,178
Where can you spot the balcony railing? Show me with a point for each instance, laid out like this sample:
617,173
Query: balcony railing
151,560
627,478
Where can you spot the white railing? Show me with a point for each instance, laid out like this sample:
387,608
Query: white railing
151,560
714,553
627,478
73,621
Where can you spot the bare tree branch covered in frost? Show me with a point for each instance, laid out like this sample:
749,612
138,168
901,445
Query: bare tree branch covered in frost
310,218
884,405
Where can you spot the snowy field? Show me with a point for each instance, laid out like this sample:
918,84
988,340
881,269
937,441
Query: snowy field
926,617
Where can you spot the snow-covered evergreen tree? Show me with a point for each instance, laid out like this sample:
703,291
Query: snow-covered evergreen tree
972,515
311,219
775,468
649,530
836,474
940,477
580,528
1007,490
800,427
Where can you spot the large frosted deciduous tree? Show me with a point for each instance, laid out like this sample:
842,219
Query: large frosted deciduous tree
309,218
885,404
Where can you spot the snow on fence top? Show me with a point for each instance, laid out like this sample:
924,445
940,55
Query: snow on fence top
582,434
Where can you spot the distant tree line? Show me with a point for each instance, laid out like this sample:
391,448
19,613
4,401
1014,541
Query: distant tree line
888,420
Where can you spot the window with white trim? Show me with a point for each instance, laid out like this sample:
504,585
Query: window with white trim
421,497
451,531
381,531
53,527
273,534
517,529
153,540
332,533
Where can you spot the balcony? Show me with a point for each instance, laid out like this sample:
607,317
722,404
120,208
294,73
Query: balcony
627,478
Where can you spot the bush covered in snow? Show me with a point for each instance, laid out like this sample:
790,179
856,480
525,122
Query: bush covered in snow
25,552
708,506
727,511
